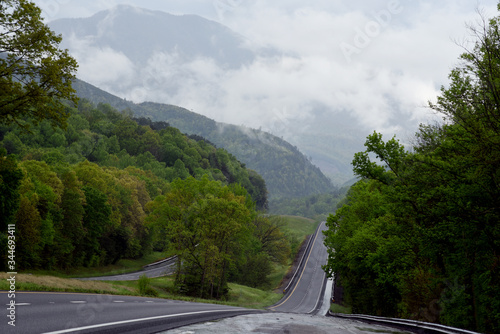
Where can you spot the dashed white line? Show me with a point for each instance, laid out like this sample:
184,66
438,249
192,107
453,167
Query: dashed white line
71,330
78,302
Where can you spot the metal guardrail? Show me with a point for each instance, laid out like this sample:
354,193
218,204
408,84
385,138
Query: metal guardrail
412,325
164,261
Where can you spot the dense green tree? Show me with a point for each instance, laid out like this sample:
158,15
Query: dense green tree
97,135
367,250
28,227
254,271
259,190
35,75
205,222
13,144
10,180
270,234
60,170
438,208
314,206
98,227
72,209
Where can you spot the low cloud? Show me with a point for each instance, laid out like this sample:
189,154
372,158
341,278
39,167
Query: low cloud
276,93
401,53
102,66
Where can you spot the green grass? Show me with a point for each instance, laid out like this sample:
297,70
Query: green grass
27,282
277,276
336,308
245,296
301,226
297,229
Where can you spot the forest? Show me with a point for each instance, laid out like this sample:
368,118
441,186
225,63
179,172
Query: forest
81,184
288,173
90,195
418,236
86,185
316,207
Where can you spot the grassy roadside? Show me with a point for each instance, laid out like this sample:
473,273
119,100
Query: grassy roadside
239,295
162,287
336,308
301,226
121,267
29,282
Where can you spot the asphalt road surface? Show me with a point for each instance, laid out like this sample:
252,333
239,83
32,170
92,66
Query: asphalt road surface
284,323
46,312
306,294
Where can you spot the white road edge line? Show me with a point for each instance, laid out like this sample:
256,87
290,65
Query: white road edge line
71,330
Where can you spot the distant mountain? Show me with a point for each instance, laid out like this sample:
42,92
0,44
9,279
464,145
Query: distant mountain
330,140
148,55
140,33
287,172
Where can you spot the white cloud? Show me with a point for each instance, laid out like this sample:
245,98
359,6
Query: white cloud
104,67
402,53
276,92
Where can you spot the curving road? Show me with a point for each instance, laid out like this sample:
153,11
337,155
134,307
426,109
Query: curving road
57,313
307,291
158,269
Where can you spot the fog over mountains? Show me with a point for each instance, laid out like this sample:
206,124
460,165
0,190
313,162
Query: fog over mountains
201,65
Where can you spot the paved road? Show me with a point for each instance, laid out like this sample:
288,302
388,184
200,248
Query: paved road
40,312
281,323
306,295
163,268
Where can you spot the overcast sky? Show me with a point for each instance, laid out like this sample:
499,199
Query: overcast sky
380,59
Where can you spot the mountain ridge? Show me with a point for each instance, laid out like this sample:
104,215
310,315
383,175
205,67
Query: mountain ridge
287,171
179,33
144,55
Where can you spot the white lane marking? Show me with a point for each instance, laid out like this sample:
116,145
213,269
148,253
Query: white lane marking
118,301
21,304
78,302
71,330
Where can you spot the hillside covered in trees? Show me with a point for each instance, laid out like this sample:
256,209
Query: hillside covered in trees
107,188
419,236
287,172
85,185
105,162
